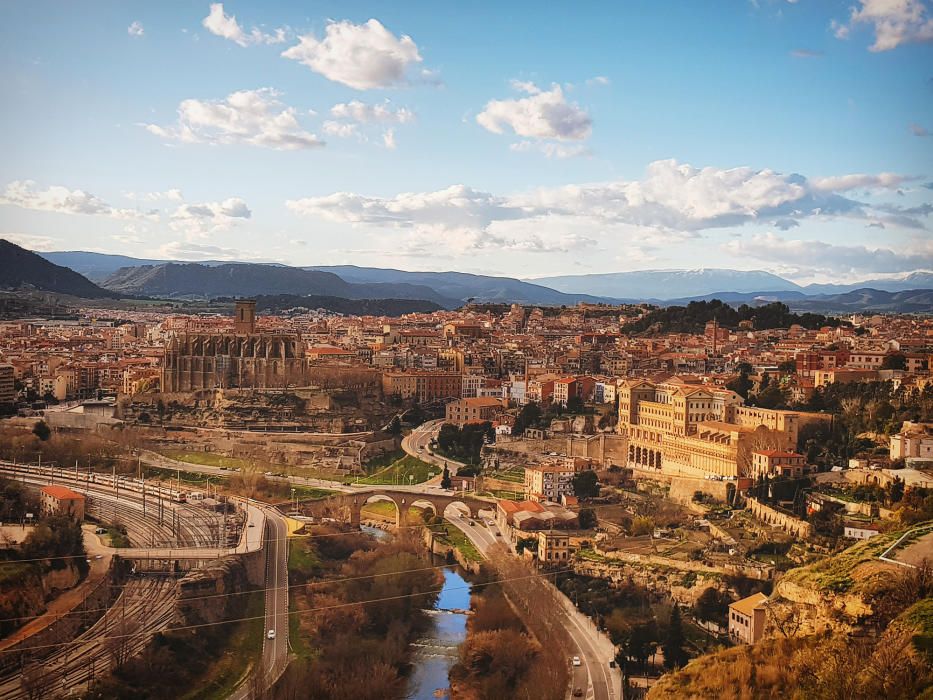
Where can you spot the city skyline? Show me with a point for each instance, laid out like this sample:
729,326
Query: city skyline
528,141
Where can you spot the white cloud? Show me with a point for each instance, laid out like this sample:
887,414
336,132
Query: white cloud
821,257
860,181
23,193
31,242
181,250
209,217
806,53
253,117
382,113
362,56
173,195
551,149
895,22
339,129
388,139
227,27
541,115
670,203
135,29
598,80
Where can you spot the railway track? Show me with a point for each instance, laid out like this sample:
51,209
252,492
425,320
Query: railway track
145,606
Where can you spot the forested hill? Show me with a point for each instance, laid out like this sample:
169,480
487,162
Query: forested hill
693,317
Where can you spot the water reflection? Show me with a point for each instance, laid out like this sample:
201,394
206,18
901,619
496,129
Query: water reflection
436,652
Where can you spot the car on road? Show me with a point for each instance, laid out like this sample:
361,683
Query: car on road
576,660
578,692
270,634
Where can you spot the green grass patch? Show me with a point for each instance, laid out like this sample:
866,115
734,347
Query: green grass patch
244,648
16,571
590,555
835,572
379,509
514,474
209,459
457,538
302,559
516,495
408,470
306,492
382,461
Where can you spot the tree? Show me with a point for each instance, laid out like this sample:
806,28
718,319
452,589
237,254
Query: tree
585,484
575,405
445,478
895,490
787,367
587,518
741,385
894,361
675,655
528,417
395,426
712,606
42,431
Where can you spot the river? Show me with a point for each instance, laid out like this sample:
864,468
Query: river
437,650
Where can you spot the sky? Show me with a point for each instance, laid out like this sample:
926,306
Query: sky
524,138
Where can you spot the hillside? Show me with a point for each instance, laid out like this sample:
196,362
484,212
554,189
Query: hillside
21,268
174,280
693,317
274,304
847,626
463,286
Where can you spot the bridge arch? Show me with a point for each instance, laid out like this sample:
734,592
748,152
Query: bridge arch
459,508
381,497
423,504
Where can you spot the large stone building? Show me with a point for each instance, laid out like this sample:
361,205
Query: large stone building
242,359
696,430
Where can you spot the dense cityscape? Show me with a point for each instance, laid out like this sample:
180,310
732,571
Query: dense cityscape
413,351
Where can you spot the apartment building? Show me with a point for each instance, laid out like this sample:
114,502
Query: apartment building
549,482
423,386
473,410
7,386
773,463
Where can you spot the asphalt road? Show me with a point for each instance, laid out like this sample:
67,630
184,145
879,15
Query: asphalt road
274,651
593,676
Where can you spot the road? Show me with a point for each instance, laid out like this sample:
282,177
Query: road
274,651
417,444
595,650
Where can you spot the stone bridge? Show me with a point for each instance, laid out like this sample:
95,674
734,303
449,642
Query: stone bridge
346,507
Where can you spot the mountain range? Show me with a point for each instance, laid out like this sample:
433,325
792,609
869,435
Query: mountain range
121,275
668,285
21,268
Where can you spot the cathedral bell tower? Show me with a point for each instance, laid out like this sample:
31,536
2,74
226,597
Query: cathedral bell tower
244,320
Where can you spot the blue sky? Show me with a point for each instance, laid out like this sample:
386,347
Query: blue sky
508,138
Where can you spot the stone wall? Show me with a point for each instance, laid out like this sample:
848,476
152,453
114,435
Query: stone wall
788,523
606,448
683,488
204,593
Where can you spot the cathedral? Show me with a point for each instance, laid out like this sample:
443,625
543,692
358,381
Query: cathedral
245,359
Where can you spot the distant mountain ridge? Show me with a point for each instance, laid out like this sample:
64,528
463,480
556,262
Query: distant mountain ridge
463,285
175,280
21,268
668,284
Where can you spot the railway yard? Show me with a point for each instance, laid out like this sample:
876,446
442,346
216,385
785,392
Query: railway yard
167,534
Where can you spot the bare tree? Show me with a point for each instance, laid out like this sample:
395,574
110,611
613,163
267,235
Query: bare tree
36,682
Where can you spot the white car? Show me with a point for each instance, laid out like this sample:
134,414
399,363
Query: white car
576,659
270,634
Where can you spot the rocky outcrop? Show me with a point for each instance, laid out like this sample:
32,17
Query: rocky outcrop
203,594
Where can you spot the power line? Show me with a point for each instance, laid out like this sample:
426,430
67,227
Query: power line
337,580
321,608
